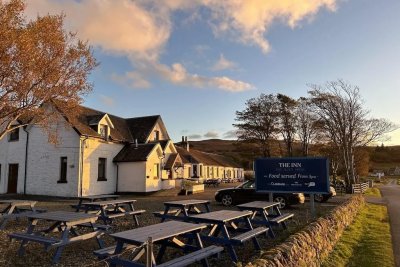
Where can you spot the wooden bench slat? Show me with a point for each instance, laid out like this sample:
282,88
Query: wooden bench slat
250,234
109,251
281,218
135,212
161,213
193,257
97,225
36,238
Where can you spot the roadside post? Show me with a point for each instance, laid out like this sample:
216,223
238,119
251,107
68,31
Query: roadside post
293,175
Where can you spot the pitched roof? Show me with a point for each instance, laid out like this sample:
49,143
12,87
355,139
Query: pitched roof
196,156
141,127
125,130
132,153
173,157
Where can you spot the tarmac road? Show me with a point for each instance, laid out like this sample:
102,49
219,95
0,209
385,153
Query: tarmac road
391,194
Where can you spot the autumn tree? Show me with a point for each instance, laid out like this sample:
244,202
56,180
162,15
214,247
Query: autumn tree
306,125
39,62
287,121
346,122
258,122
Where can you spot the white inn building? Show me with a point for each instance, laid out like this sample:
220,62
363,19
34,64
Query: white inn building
98,153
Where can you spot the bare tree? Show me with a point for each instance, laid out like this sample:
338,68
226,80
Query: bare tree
258,122
39,62
287,121
306,125
340,109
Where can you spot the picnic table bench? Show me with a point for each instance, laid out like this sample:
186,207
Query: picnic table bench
212,182
224,224
64,222
110,209
16,209
92,198
162,234
179,210
266,213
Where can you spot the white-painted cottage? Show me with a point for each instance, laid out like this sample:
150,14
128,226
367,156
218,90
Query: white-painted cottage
96,153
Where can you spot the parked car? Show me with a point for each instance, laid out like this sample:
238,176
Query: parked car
324,197
246,192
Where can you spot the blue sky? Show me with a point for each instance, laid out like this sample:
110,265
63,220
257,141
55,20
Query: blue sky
196,62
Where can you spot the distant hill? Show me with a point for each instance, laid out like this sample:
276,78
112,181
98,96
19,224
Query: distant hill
243,153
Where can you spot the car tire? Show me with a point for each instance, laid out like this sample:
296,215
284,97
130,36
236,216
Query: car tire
226,200
283,202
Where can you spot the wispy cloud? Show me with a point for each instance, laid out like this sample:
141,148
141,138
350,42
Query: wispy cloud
107,100
232,134
194,136
223,64
211,134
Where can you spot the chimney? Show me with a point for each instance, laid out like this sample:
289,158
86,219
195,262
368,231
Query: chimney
187,144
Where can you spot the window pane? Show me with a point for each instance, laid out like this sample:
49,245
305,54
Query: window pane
63,169
14,135
102,169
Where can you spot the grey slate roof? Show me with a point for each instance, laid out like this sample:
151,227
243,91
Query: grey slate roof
131,153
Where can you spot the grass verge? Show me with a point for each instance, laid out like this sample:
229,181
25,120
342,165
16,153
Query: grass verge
366,242
373,192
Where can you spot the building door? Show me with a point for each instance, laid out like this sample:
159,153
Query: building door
12,178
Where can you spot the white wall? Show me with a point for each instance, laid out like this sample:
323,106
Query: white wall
93,150
12,153
132,176
44,162
153,183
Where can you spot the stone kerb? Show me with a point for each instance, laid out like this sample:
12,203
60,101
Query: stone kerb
312,245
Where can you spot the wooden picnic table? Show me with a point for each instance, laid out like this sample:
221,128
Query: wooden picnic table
15,209
109,209
92,198
66,223
173,209
266,213
225,223
163,234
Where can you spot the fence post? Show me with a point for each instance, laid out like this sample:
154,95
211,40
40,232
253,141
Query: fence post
149,252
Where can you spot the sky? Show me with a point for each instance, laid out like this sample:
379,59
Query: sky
196,62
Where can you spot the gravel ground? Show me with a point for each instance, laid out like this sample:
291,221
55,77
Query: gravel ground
81,253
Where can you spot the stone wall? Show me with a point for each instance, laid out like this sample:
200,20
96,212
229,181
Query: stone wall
312,245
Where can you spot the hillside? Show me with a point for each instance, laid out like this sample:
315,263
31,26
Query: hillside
380,157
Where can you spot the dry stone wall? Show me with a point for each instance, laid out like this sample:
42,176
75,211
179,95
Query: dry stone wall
312,245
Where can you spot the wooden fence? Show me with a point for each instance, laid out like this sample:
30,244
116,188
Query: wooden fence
359,188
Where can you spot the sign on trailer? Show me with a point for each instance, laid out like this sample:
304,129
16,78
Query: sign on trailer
294,175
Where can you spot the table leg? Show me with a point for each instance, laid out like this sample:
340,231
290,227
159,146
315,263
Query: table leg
199,244
254,239
31,227
166,209
207,205
135,217
78,207
103,215
118,250
231,249
270,230
99,241
64,239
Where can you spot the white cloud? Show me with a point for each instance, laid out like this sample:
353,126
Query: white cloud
223,64
232,134
211,134
194,137
107,100
139,30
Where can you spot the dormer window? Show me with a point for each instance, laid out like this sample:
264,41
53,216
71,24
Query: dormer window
104,131
156,135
